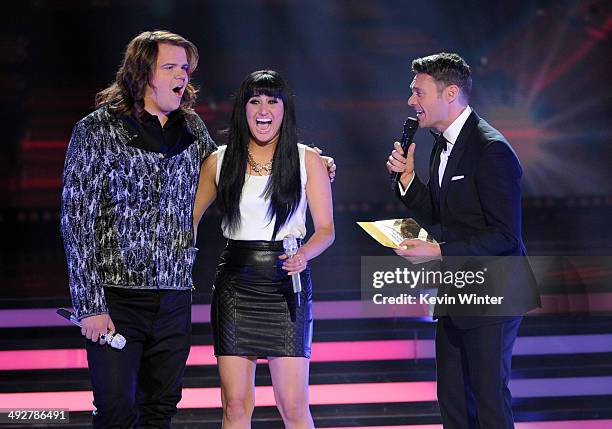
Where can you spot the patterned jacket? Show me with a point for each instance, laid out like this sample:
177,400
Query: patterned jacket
126,212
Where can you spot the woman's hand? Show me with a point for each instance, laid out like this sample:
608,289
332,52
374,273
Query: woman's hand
296,264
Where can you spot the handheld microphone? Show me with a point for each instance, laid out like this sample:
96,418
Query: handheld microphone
115,340
291,246
410,128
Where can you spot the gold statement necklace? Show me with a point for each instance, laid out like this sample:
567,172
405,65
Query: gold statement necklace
263,169
259,168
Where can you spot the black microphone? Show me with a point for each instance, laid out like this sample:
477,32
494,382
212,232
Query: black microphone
291,246
410,128
115,340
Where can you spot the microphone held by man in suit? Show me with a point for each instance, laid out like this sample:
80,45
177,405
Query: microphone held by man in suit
410,128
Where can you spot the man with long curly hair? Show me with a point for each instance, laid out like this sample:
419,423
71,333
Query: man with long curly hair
130,179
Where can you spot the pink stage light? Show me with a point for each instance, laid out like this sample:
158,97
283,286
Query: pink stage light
334,310
571,424
336,351
333,351
359,393
210,397
15,360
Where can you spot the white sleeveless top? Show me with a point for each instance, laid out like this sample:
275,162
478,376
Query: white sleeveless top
254,222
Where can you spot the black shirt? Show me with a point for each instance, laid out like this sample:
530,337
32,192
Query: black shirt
170,139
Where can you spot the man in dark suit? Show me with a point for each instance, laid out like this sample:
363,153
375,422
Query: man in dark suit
473,199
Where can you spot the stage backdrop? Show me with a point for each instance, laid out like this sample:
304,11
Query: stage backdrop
541,75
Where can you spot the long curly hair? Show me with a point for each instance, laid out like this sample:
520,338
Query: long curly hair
126,94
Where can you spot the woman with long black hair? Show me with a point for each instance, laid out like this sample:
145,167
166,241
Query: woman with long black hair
263,181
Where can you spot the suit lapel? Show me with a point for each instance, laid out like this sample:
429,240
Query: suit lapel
457,153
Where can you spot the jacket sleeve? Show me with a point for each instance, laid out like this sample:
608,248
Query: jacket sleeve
206,144
83,182
498,179
418,201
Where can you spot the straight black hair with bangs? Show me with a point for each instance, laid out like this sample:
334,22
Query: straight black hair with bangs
284,187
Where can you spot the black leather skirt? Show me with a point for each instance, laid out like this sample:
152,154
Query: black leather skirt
254,310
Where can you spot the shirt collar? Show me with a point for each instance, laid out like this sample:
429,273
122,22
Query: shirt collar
173,118
452,132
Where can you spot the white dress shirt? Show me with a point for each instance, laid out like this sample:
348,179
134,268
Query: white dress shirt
450,134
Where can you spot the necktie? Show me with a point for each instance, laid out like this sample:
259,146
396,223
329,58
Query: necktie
441,150
440,141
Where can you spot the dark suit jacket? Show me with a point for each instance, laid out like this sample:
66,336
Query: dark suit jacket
478,215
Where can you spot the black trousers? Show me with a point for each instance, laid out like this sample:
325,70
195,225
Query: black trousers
473,370
141,385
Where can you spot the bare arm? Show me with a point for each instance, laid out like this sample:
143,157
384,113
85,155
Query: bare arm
319,196
207,190
329,163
